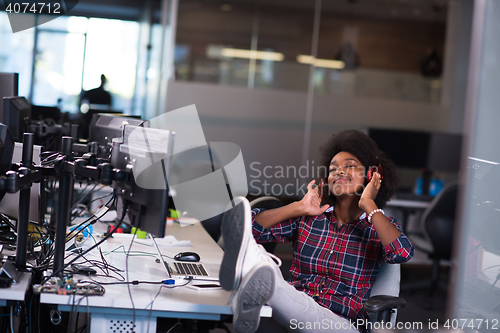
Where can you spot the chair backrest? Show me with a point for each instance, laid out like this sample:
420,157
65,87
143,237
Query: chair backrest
267,202
438,221
387,283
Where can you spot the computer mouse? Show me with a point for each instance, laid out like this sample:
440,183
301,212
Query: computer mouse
187,256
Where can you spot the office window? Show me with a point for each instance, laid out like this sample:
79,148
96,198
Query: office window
111,49
57,78
72,52
16,52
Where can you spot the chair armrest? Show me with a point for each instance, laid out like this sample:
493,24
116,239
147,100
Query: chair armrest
384,305
381,302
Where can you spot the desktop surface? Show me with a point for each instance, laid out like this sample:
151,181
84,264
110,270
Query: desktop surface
17,291
175,302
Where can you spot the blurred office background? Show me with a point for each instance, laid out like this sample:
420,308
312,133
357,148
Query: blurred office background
279,77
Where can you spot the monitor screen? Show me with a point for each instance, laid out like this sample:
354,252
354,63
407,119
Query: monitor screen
407,149
39,112
86,120
144,151
417,150
16,115
9,85
104,127
444,152
9,205
6,151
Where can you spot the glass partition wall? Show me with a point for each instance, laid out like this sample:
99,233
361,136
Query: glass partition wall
475,305
346,64
267,45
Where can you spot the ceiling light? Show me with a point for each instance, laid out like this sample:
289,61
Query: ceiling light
325,63
250,54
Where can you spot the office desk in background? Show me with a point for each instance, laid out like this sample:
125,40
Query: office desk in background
115,306
407,207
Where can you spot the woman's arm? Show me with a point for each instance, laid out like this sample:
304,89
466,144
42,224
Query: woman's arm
386,231
310,204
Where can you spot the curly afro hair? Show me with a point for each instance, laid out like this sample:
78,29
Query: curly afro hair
368,153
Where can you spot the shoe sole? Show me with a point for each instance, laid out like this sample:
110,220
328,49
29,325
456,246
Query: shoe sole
255,292
235,243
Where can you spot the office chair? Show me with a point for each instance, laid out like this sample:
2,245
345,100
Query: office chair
384,298
213,226
267,202
437,222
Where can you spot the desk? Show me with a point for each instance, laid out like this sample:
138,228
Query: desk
115,305
17,291
407,207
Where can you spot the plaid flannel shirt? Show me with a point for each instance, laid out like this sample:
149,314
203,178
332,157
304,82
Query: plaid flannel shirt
335,266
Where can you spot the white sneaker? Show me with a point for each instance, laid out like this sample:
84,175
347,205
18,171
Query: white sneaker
255,290
241,252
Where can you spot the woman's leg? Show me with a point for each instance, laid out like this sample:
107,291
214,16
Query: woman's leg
298,312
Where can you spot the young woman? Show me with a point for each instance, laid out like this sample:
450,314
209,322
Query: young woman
340,239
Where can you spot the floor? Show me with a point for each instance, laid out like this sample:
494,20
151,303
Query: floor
420,307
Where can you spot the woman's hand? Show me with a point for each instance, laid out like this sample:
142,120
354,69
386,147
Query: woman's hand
311,202
308,205
367,200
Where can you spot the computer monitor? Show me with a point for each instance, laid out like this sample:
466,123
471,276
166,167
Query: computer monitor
444,152
9,205
9,85
6,151
39,112
86,120
16,115
407,149
105,127
427,151
144,151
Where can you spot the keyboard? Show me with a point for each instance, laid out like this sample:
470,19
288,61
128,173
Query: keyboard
186,268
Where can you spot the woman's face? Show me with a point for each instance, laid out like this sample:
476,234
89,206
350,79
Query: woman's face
346,175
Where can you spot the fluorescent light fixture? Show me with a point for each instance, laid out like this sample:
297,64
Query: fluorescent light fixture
250,54
484,161
310,60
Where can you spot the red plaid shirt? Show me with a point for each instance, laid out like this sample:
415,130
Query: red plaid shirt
335,266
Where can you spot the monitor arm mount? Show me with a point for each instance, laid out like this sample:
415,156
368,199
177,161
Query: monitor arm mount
42,128
86,167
